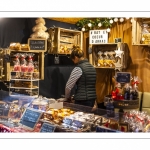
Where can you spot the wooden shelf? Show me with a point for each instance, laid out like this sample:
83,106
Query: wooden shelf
104,44
141,45
104,67
23,88
26,79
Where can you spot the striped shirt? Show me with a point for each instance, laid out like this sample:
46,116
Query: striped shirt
74,76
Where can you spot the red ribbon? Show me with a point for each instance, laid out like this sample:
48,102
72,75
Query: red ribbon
136,82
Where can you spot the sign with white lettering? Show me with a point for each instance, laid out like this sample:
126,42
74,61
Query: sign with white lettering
37,44
30,118
47,127
98,36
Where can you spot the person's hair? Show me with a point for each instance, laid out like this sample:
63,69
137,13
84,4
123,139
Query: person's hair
76,51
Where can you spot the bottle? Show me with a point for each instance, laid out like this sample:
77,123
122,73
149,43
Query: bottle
110,108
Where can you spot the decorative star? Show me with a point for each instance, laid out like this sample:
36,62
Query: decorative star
118,52
118,65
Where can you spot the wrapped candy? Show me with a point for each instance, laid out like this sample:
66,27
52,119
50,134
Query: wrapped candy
112,59
17,63
135,83
100,59
134,92
30,63
24,67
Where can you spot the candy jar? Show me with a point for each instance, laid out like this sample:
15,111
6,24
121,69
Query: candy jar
24,67
17,63
30,63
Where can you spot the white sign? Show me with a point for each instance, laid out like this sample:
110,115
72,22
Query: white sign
98,36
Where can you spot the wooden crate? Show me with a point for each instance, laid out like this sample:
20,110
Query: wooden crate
137,31
103,48
61,40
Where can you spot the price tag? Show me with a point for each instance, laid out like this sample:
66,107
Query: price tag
30,118
77,123
68,121
47,127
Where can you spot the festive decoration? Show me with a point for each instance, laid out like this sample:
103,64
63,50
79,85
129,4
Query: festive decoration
108,30
39,29
118,52
118,65
116,19
96,23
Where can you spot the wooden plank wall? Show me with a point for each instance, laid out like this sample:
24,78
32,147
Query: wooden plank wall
139,66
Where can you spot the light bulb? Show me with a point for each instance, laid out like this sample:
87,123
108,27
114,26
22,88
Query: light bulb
89,24
111,21
127,18
99,24
116,19
83,29
121,19
108,30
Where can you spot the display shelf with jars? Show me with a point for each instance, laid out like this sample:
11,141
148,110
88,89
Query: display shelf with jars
61,40
141,31
28,62
24,83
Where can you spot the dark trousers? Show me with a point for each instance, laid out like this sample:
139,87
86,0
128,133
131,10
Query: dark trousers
89,103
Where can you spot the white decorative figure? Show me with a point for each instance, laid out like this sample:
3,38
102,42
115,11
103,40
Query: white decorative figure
118,52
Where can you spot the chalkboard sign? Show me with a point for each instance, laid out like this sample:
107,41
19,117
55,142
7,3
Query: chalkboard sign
123,77
30,118
104,129
37,44
47,127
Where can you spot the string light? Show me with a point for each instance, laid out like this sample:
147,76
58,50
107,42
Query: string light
83,29
108,30
89,24
116,19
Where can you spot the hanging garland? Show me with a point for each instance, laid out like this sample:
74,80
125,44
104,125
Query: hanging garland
93,24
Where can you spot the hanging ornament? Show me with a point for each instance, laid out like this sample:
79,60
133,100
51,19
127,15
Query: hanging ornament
116,19
121,19
108,30
89,24
83,29
99,24
111,21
